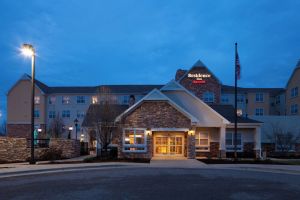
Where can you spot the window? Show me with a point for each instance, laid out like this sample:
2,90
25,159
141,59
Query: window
66,114
208,97
36,114
80,114
294,109
94,100
225,99
52,114
125,99
134,140
259,97
66,100
37,100
80,99
277,100
240,98
52,100
202,141
259,111
294,92
230,142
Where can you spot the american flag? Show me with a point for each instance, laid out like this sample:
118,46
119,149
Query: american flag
237,65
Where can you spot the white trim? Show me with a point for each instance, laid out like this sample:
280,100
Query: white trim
168,136
199,145
164,98
170,129
225,121
134,145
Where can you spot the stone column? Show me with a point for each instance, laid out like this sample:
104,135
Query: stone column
191,153
222,142
257,139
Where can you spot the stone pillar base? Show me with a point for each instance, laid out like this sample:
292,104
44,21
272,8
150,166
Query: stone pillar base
222,154
257,154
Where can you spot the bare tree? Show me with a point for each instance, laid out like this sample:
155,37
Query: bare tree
3,128
56,127
283,139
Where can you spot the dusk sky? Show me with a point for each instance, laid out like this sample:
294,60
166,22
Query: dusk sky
144,42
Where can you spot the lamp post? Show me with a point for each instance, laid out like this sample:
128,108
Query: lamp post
28,51
76,124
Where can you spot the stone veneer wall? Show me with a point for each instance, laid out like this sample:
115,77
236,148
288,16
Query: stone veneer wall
18,150
213,153
151,114
191,146
69,148
13,149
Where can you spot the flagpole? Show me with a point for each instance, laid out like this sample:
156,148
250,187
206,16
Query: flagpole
235,105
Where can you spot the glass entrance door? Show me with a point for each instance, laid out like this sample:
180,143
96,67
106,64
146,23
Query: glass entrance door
169,145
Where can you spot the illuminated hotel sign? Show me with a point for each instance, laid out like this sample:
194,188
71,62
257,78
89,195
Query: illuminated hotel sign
199,78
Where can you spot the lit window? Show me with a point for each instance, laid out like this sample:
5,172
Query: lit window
36,114
80,99
259,97
66,114
202,141
52,100
294,92
66,100
259,111
208,97
37,100
94,100
134,140
52,114
294,109
80,114
230,142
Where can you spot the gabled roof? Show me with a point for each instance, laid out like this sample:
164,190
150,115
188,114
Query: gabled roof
297,67
156,95
96,113
199,64
44,88
174,84
227,111
272,91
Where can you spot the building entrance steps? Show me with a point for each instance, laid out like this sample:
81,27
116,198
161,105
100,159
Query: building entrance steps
176,163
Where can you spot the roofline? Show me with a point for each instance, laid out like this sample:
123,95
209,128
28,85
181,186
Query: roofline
194,96
27,79
294,71
171,102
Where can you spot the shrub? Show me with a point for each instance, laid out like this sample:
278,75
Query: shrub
52,154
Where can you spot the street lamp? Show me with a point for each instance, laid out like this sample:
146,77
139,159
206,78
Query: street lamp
28,51
70,130
76,124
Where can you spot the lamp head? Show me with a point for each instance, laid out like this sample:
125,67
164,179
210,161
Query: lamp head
27,50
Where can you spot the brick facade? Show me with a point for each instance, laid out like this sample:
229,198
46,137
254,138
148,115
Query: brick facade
23,130
151,115
211,84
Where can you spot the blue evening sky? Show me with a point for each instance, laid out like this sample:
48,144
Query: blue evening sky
144,42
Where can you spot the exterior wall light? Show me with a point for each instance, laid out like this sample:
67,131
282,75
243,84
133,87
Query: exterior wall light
191,132
148,132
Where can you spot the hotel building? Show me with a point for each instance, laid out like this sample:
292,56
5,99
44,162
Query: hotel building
191,116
